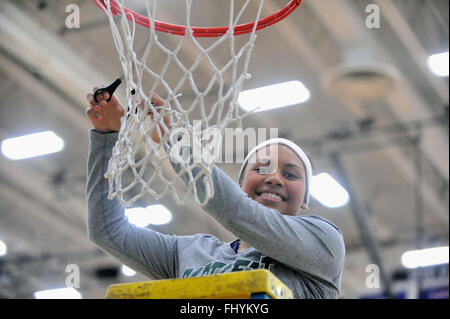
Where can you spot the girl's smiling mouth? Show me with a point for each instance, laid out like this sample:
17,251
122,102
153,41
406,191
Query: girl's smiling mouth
271,196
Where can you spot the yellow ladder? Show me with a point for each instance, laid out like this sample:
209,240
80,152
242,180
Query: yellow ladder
252,284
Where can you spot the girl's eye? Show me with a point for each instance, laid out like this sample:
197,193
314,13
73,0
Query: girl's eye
290,175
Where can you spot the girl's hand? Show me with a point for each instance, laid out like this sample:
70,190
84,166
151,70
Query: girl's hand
104,116
167,118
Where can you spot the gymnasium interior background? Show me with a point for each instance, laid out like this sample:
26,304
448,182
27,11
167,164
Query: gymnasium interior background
376,121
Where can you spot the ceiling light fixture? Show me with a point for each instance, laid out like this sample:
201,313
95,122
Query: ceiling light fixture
153,214
438,63
32,145
328,191
274,96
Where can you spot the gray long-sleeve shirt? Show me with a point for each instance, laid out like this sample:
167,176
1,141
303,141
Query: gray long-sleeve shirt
305,252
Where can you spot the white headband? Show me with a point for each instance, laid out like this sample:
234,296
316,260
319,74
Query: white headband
293,147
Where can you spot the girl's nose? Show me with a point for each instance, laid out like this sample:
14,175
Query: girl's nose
274,179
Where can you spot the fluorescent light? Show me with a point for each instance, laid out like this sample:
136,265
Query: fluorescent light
438,63
274,96
127,271
327,191
153,214
32,145
3,248
61,293
136,216
425,257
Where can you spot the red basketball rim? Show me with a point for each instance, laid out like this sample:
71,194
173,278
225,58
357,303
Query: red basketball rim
201,32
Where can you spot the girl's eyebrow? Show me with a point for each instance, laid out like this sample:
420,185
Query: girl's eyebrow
294,165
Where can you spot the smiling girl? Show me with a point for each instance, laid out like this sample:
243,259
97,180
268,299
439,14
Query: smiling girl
306,252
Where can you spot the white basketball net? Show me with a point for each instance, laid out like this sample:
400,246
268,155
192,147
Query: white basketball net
138,166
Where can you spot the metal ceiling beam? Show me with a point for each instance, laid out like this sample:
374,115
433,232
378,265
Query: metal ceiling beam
344,18
339,19
32,209
47,54
295,41
386,138
430,197
58,104
404,102
29,191
366,233
412,44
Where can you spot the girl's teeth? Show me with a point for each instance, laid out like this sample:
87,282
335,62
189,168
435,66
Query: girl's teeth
271,195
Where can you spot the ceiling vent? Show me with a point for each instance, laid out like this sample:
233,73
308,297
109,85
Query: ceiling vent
361,77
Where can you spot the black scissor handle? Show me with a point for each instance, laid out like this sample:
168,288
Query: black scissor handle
110,88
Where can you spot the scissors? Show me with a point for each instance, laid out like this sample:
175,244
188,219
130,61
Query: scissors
110,88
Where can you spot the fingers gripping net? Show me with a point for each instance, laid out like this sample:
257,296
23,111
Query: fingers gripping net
181,163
